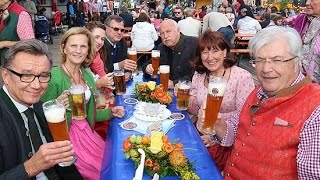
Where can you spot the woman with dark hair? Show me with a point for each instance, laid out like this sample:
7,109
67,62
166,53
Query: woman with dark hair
212,60
143,34
266,20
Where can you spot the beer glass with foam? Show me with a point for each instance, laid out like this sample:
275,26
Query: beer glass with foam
55,113
132,52
164,76
183,95
78,102
216,89
155,60
119,81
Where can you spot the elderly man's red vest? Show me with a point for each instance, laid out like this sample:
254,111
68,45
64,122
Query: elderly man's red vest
268,135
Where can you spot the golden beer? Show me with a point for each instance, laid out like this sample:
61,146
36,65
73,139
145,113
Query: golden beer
216,88
54,112
78,102
155,60
183,95
164,76
133,56
120,82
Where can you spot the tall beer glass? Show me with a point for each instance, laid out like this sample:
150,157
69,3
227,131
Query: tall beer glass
164,76
216,88
119,81
132,52
78,102
155,60
183,95
55,112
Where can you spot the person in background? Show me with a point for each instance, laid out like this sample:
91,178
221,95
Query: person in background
71,14
30,7
278,20
213,59
93,8
15,25
127,17
79,9
265,20
247,24
116,46
143,34
26,73
189,26
161,14
177,51
230,15
283,110
77,52
177,13
203,12
218,22
308,26
104,82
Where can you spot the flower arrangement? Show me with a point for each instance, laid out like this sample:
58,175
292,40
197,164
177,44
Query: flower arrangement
150,92
162,156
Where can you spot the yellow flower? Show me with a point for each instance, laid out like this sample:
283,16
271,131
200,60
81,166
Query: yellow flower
151,85
156,142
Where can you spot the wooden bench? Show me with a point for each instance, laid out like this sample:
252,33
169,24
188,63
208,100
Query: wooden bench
239,53
242,40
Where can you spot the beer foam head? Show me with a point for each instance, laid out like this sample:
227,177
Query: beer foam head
164,69
132,52
217,88
184,86
76,89
55,114
155,53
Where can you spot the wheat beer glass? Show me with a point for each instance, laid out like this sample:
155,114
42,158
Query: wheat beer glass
55,113
155,60
119,81
132,52
216,88
78,102
164,76
183,95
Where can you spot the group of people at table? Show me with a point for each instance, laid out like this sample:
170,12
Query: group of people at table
268,131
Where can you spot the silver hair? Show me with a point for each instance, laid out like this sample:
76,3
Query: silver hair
175,24
270,34
30,46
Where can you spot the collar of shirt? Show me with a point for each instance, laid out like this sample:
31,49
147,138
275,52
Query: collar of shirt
21,108
261,94
111,43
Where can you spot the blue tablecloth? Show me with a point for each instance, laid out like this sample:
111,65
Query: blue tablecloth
116,167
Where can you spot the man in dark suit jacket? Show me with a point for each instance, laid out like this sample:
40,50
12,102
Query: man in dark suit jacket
26,74
117,55
177,51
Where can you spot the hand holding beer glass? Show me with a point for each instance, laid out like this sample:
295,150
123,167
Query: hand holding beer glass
183,95
216,89
55,113
155,60
78,102
164,76
132,52
119,81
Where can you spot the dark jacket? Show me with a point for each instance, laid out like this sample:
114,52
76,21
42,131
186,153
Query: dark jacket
127,18
162,16
178,59
15,145
122,53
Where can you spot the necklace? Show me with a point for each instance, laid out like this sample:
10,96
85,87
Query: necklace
70,75
224,72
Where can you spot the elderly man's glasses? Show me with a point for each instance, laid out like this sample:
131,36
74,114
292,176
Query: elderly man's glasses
28,78
275,61
117,29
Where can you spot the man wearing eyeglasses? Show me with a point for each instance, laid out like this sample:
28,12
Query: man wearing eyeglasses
27,152
177,14
116,46
276,135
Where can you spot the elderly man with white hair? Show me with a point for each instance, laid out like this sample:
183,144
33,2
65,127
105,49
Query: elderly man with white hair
177,51
278,134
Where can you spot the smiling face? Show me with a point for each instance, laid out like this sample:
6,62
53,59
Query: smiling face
274,78
313,7
76,49
24,63
99,36
114,31
213,59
